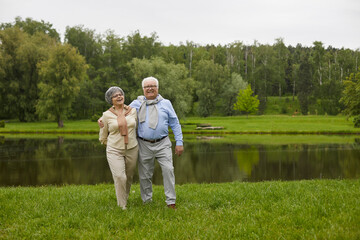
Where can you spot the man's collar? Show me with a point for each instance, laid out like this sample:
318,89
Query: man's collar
152,99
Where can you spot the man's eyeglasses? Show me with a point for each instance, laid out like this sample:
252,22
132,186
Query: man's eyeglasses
150,86
117,95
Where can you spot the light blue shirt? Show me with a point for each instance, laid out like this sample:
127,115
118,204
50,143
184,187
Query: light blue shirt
167,117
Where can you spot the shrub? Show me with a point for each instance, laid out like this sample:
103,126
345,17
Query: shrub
95,117
357,121
2,124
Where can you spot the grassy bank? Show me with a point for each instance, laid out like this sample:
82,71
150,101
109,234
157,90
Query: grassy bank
274,124
316,209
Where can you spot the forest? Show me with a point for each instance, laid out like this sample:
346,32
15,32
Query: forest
45,77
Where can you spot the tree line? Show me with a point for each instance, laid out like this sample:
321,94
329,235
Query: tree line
42,77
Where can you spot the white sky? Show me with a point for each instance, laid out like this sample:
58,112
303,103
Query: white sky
333,22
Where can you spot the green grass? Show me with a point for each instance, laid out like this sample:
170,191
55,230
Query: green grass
282,105
275,124
314,209
79,126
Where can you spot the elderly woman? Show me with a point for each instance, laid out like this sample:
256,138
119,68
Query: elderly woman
119,136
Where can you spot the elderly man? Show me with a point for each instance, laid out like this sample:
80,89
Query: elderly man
155,115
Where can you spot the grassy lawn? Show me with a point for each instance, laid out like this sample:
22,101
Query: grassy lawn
276,124
80,126
239,124
313,209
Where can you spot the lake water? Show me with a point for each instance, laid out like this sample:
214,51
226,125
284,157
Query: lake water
31,160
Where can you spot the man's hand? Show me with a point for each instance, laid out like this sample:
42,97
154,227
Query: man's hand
101,124
179,150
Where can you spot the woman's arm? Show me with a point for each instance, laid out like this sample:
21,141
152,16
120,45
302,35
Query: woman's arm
103,133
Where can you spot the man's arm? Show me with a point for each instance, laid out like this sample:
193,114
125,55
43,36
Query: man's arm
176,128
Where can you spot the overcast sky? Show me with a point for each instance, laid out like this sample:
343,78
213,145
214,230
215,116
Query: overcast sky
333,22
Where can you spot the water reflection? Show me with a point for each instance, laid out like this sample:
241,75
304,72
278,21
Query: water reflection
39,161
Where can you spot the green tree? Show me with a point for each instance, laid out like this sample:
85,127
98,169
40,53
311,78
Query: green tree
174,83
281,62
246,102
317,59
86,41
10,41
305,86
29,54
20,53
265,71
60,76
137,46
31,27
351,94
230,92
210,78
235,58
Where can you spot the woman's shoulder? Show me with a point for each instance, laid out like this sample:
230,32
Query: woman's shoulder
107,114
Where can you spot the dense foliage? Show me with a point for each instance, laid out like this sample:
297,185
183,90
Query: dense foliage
351,97
200,80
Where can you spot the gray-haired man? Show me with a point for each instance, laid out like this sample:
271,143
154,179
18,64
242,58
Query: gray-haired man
155,115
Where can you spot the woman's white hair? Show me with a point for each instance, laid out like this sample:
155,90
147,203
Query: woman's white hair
150,78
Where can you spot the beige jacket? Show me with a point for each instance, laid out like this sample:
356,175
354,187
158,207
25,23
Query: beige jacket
110,134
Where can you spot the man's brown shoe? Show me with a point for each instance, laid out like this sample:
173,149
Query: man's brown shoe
173,206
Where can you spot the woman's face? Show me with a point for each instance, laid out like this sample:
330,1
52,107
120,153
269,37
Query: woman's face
118,98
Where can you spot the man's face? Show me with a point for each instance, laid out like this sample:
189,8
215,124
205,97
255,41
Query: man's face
150,89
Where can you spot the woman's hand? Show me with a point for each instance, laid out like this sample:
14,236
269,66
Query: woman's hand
100,123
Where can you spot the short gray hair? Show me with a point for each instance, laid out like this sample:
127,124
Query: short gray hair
111,91
150,78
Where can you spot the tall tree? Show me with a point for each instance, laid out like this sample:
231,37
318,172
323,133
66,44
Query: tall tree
305,87
29,54
86,41
281,62
265,72
317,58
61,76
211,78
137,46
351,95
230,91
235,58
11,39
174,83
31,27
